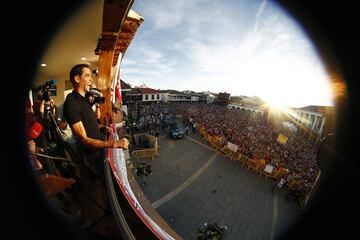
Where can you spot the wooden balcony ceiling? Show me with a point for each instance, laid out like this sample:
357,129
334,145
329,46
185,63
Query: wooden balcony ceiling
125,36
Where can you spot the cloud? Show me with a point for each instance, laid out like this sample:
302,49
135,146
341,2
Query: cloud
259,12
242,47
145,64
165,14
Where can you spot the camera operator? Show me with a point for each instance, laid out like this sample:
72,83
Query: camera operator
33,130
46,110
65,130
42,110
83,121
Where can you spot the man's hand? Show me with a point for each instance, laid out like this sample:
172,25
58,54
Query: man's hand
106,128
122,143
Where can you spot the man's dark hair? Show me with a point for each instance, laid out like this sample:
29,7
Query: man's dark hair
77,70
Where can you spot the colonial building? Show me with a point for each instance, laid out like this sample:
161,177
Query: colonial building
125,88
143,94
209,97
223,99
194,96
314,121
252,104
252,109
174,96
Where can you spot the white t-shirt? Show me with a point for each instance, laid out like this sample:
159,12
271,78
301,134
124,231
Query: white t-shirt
66,133
281,183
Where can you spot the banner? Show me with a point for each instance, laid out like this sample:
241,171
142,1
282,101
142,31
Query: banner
268,169
118,166
289,126
232,147
282,139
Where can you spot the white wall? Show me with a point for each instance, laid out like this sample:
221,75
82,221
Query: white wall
194,99
210,99
164,97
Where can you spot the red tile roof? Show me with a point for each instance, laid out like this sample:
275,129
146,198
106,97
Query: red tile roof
147,90
124,85
319,109
135,91
171,92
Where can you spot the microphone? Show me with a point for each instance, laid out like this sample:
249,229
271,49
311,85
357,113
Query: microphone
95,91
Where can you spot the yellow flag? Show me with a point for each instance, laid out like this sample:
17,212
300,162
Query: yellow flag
282,139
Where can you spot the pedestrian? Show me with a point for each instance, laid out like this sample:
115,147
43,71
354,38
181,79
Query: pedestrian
279,185
194,126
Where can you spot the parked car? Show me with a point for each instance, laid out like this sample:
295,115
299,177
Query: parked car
176,132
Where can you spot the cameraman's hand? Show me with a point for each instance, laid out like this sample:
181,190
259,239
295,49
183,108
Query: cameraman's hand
62,124
122,143
42,108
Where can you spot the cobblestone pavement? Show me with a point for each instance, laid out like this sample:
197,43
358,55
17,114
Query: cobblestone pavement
192,184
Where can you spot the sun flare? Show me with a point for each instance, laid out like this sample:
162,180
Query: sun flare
275,104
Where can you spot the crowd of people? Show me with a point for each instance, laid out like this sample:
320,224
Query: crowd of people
256,137
150,118
255,134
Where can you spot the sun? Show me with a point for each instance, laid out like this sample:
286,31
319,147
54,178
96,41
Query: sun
277,107
275,104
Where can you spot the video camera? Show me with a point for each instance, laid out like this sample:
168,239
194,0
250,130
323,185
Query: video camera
96,95
47,90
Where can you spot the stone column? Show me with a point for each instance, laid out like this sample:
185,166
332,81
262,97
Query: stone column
322,125
313,123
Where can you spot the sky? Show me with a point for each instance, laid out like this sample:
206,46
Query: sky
242,47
